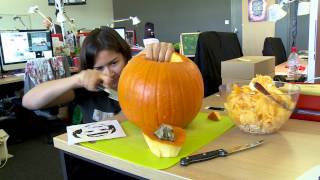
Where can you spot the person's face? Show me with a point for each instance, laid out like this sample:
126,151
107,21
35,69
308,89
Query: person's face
46,24
110,63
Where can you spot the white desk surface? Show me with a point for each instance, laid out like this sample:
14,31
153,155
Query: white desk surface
282,68
285,155
11,79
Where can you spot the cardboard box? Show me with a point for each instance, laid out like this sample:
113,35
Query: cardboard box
246,67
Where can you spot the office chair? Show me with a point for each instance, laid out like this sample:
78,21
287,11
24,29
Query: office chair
212,48
273,46
41,70
149,36
149,30
230,45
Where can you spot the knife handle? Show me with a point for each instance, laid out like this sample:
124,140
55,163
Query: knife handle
203,157
215,108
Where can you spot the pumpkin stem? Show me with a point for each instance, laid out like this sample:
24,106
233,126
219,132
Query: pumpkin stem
165,132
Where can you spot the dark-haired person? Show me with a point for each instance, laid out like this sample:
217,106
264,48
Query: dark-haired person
103,56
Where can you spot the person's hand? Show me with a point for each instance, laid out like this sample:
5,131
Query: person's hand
90,79
159,51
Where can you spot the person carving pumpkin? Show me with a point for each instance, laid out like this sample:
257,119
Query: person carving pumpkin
103,56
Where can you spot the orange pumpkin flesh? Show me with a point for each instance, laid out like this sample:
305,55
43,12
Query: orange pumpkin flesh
152,93
162,148
215,116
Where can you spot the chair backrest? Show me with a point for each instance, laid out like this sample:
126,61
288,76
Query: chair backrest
230,46
149,30
273,46
212,48
41,70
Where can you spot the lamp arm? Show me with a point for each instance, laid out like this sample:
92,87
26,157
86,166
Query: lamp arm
121,20
45,17
24,25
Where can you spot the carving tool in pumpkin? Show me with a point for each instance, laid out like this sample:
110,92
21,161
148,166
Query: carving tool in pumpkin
112,93
217,153
261,89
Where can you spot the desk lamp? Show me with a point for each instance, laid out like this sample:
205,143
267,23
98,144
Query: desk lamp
15,18
276,11
135,20
35,9
304,8
299,8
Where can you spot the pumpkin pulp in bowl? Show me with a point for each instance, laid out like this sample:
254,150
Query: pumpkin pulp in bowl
255,112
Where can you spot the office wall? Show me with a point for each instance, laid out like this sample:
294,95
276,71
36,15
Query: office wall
93,14
236,18
254,33
174,17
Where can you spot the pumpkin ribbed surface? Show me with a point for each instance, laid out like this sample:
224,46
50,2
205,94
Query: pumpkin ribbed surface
153,93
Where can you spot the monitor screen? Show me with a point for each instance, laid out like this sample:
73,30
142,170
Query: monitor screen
121,31
188,43
18,47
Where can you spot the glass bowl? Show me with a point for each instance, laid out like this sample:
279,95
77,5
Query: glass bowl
256,112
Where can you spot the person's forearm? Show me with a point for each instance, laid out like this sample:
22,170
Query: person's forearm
51,91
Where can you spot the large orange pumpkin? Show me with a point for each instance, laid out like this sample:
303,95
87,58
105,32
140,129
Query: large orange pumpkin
152,93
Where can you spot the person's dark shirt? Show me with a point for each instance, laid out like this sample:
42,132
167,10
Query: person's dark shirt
90,102
58,29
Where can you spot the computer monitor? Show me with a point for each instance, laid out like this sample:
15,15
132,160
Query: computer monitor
121,31
18,47
188,43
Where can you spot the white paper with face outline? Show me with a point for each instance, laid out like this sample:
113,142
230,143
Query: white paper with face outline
108,129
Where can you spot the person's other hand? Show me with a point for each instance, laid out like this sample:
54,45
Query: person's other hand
90,79
159,51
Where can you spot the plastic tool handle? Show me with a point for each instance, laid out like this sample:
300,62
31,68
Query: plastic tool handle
260,88
203,157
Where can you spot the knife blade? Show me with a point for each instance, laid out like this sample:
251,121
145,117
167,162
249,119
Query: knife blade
307,112
112,93
217,153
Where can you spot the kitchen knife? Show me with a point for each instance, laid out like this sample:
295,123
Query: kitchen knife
217,153
112,93
307,112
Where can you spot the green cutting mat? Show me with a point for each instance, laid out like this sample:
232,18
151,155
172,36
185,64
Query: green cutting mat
133,148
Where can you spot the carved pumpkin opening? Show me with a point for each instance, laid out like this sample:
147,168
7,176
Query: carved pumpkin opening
176,58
